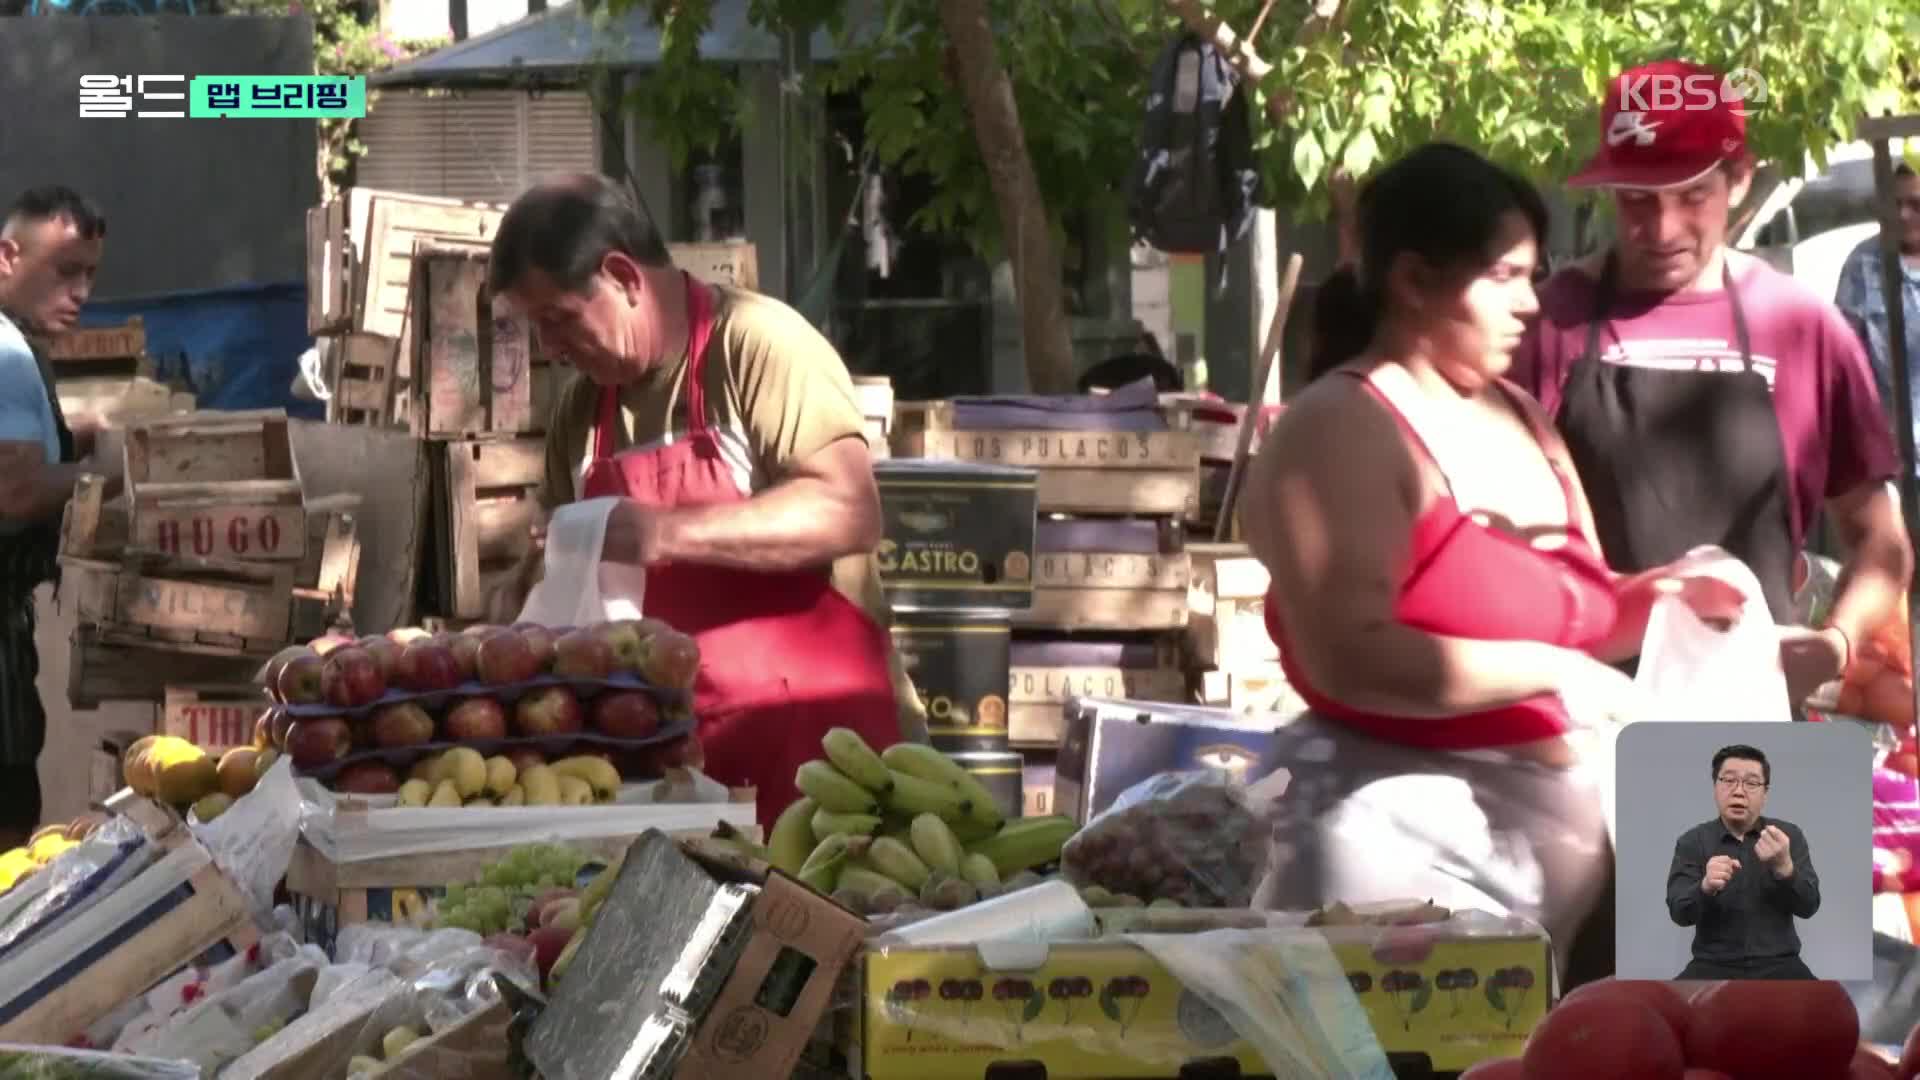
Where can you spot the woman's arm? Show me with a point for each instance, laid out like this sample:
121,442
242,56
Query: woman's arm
1330,506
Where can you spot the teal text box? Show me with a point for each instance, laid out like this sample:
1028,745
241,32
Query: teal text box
278,97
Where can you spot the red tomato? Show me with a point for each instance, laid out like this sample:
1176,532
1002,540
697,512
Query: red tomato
1909,1067
1604,1036
1789,1029
1662,997
1495,1069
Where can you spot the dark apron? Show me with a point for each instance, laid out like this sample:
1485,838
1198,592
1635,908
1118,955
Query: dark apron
27,560
1672,460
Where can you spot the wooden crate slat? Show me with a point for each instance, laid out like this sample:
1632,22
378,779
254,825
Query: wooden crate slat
490,489
235,602
475,366
268,529
1104,609
210,446
384,275
719,264
508,463
128,341
502,527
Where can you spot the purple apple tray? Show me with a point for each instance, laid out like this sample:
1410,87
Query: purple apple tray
508,693
553,747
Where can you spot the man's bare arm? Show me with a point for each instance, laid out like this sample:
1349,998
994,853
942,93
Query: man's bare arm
31,489
1879,561
827,506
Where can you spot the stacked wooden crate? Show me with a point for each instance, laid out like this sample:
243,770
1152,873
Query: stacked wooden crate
106,372
210,561
1230,655
1110,574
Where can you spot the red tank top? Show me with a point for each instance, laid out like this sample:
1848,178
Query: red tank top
1469,580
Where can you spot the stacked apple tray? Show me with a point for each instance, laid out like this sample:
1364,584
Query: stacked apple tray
348,729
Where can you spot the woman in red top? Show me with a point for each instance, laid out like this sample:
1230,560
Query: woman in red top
1438,598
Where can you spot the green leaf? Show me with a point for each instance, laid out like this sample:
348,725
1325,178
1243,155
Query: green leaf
1360,154
1309,160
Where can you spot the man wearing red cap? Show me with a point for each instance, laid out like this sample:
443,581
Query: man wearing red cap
1707,398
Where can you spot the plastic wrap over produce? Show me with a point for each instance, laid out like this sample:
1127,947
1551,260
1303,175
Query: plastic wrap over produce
1193,839
59,1063
254,840
400,1003
76,876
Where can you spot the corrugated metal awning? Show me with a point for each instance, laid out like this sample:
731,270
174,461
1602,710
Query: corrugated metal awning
557,44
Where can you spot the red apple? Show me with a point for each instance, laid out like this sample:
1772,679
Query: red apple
318,741
550,710
351,677
269,677
672,660
683,753
386,653
540,639
512,945
540,903
507,658
626,714
582,654
326,643
481,630
476,719
523,757
407,635
548,943
624,641
279,722
367,778
426,665
402,724
299,680
466,654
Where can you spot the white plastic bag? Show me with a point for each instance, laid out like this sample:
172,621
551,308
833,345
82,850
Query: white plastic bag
1691,672
577,588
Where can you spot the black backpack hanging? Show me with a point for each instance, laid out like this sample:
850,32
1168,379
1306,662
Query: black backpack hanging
1194,188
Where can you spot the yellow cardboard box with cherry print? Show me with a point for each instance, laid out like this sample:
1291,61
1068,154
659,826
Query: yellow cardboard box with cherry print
1456,992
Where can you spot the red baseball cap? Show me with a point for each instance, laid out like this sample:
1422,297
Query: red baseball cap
1666,124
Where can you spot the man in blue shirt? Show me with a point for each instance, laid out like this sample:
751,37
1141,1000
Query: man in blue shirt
50,247
1861,296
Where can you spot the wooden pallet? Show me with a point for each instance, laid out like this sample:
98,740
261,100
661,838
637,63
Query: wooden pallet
486,503
1080,472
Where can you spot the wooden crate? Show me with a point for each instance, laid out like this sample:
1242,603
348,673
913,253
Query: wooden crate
118,352
215,717
1037,696
207,912
220,485
1250,690
1226,609
1081,472
122,398
244,606
364,375
109,664
876,404
485,508
471,363
1110,590
719,264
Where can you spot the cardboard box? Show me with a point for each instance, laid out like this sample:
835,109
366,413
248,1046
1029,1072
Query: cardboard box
956,535
1095,1026
695,968
1111,745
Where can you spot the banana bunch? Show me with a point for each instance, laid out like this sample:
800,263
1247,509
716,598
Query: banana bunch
908,825
47,843
461,777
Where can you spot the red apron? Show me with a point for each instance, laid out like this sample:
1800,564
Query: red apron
784,656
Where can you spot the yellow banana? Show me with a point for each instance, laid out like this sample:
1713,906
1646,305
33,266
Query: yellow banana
478,800
978,870
445,796
415,793
500,776
856,760
897,861
565,960
792,839
515,796
575,792
923,761
822,868
464,766
826,823
986,809
541,785
914,796
1026,844
936,845
597,889
598,772
833,789
867,883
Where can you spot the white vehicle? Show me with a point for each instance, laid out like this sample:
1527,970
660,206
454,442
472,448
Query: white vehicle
1808,227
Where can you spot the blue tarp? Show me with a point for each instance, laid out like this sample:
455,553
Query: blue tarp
236,348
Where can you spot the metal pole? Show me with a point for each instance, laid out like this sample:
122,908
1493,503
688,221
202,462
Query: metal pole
1893,289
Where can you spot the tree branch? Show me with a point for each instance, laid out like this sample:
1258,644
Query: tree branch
1200,18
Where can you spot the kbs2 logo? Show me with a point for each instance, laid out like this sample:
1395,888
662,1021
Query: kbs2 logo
1738,89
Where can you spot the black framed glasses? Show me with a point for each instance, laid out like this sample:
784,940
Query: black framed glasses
1746,783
